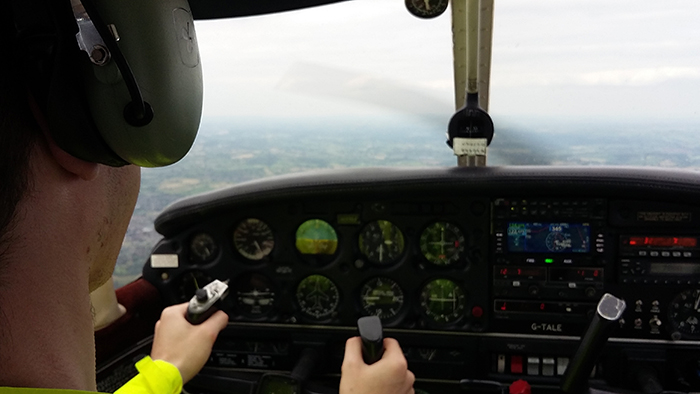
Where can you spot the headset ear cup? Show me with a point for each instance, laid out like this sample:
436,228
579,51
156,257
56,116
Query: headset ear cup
158,40
68,113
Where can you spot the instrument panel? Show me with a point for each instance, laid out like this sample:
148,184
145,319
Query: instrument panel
331,262
497,270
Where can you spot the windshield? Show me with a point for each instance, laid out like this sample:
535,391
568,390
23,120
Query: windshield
363,83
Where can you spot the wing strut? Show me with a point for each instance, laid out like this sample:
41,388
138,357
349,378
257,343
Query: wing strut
470,130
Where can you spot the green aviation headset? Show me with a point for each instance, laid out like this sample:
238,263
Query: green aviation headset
119,81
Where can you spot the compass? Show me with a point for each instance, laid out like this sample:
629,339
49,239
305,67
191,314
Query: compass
684,313
427,8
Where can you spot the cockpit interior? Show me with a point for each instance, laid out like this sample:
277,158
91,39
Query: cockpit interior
487,276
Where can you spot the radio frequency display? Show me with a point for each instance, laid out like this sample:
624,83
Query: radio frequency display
549,237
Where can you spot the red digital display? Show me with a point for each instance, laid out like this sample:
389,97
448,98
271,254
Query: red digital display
576,274
521,272
669,242
542,307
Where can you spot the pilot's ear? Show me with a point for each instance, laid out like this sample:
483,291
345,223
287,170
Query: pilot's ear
84,169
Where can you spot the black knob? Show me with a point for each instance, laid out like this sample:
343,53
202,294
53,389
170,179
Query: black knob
202,295
370,328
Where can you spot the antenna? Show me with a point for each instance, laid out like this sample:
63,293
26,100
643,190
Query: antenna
470,130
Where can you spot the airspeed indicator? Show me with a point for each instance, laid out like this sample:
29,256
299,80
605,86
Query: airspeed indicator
253,239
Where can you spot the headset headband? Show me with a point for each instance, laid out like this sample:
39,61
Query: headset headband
101,107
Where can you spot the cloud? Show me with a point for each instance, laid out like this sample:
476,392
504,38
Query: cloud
639,76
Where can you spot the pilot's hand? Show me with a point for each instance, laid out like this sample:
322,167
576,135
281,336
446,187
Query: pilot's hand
390,375
182,344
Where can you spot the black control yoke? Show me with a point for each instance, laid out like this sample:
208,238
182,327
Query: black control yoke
370,328
608,312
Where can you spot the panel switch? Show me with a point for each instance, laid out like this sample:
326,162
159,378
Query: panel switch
501,363
547,366
533,366
516,364
562,363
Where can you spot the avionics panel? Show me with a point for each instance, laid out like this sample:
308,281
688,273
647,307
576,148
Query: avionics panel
550,263
659,259
536,237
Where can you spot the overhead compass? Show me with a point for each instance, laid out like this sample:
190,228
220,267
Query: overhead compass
253,239
427,8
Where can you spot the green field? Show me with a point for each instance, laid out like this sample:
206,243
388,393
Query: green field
229,152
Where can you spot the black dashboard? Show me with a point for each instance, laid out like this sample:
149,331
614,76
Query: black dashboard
480,273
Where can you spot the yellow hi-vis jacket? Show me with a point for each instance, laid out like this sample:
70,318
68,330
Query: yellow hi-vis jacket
155,377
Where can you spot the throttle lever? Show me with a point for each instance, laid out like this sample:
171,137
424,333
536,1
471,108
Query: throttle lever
370,328
609,311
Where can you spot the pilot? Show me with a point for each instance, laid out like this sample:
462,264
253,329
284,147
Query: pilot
62,222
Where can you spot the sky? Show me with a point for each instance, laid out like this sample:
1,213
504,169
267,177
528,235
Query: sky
620,59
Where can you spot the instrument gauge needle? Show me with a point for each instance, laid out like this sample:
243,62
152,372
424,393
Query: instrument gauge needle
427,4
697,303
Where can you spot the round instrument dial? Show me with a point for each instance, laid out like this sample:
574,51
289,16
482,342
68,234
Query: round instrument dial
557,241
382,297
442,243
381,242
254,295
318,297
190,283
316,237
203,248
684,313
427,8
442,301
253,239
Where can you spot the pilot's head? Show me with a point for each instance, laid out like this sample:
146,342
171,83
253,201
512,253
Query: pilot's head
93,87
18,131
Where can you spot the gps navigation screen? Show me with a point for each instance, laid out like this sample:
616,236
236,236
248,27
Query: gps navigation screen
548,237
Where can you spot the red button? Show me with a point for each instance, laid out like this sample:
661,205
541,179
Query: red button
516,364
519,387
477,312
